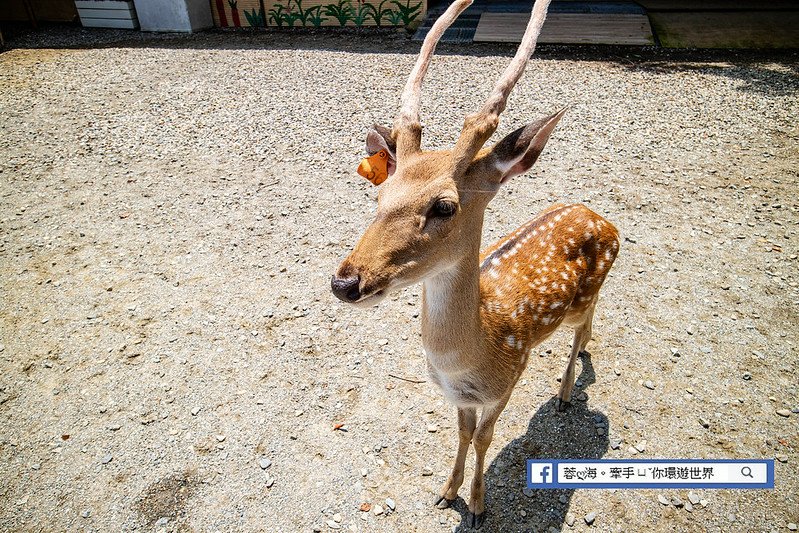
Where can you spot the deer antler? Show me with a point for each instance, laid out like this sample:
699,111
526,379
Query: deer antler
407,125
479,127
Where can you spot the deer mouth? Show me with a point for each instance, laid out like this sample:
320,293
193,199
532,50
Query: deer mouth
370,299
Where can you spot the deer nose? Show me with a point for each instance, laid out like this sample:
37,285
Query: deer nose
346,289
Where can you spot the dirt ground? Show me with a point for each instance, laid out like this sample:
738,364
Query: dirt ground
172,209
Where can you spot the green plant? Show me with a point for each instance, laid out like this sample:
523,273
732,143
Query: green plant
256,18
363,13
342,11
278,15
394,17
315,16
299,14
408,13
379,12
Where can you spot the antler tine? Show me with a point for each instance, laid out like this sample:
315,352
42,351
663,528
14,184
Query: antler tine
407,125
479,127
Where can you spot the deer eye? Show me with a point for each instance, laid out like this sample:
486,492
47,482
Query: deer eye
443,209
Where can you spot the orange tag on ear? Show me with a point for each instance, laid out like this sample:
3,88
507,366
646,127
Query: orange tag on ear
375,167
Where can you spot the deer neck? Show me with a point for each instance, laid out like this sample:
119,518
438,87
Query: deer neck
451,324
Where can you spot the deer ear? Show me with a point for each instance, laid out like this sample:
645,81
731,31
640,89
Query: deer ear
380,138
517,152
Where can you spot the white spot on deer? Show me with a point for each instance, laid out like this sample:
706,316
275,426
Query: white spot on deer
608,255
563,287
493,273
551,225
570,229
559,217
591,224
601,265
496,261
556,305
587,235
546,320
542,229
571,242
542,288
564,275
519,345
615,245
511,341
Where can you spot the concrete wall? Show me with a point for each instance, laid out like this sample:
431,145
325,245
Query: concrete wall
174,15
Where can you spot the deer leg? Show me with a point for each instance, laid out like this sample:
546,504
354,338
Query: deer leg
482,440
467,420
582,334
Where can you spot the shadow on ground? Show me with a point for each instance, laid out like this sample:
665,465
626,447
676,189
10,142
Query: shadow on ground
550,435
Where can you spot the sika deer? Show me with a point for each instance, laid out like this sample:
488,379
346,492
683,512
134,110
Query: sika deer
482,314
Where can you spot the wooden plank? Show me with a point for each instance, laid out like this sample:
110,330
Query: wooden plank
110,23
753,29
106,14
568,28
94,4
717,5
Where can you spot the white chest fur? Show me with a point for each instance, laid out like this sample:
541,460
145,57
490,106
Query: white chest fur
457,384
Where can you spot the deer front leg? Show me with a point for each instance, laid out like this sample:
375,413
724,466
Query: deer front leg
467,420
482,440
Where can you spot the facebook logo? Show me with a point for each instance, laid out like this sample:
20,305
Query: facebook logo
540,473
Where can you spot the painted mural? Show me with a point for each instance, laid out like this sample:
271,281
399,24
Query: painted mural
316,13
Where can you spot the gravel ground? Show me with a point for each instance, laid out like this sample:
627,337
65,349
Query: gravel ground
172,210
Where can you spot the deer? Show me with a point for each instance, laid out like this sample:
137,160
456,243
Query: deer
483,313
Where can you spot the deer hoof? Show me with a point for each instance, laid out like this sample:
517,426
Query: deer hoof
442,503
561,405
475,521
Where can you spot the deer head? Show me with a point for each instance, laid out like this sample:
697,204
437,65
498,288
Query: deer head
430,209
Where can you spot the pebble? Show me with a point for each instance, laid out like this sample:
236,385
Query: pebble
581,396
563,499
264,463
747,376
615,442
427,471
195,411
432,428
600,431
641,446
590,517
617,371
792,526
705,422
570,519
662,499
337,518
221,438
693,498
115,427
649,385
162,522
391,504
107,459
377,509
677,502
333,525
527,491
689,507
784,412
781,458
36,466
86,514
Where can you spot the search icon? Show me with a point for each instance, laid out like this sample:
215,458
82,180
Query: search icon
747,472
